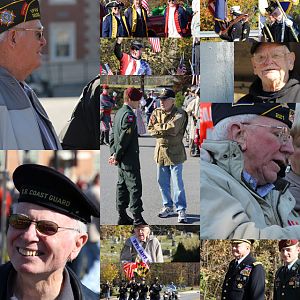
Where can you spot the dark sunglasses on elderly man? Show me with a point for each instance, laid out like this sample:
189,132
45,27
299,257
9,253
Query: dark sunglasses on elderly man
19,221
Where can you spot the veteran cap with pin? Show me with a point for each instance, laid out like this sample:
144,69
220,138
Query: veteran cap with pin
49,188
14,12
280,112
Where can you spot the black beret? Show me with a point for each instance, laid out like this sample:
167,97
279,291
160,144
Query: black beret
13,12
136,45
114,4
280,112
166,94
256,45
47,187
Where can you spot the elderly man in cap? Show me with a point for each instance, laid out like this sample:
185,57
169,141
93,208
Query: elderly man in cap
142,246
176,20
245,277
132,64
137,19
167,124
241,192
47,228
282,28
24,122
115,23
124,149
273,64
107,103
287,277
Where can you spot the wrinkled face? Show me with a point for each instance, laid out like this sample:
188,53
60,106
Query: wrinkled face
142,232
264,150
137,3
167,104
32,252
289,254
136,53
294,159
272,62
29,44
239,250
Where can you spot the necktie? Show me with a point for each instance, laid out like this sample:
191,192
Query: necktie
133,70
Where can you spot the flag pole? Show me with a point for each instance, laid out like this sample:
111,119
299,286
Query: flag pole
285,16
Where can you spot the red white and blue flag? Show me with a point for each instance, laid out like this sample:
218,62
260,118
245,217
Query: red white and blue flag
155,44
145,5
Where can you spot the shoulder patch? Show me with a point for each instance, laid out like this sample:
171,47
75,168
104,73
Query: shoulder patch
130,118
257,263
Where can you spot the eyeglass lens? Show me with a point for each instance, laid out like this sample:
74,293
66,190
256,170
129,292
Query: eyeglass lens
23,222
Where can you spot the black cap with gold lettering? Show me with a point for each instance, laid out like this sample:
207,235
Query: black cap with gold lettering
14,12
49,188
281,112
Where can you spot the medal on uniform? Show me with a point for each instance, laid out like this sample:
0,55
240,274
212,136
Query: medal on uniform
240,285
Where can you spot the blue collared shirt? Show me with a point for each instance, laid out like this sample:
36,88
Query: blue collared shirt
262,190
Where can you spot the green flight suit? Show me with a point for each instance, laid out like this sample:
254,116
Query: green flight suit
287,283
124,144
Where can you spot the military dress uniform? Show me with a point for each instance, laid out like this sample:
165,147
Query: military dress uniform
143,291
133,290
287,282
124,144
154,290
245,281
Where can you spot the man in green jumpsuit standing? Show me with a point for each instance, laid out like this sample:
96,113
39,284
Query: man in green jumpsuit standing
124,150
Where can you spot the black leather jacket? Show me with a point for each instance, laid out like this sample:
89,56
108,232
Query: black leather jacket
79,290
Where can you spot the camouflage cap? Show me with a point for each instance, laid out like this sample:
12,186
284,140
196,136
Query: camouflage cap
16,12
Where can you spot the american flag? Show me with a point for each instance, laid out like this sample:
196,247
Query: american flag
108,69
145,5
155,43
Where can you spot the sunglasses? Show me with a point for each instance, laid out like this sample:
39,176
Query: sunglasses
39,33
19,221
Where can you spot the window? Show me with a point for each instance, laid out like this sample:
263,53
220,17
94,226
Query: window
62,41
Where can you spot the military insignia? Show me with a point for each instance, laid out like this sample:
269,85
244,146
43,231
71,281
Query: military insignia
130,118
246,271
128,130
7,17
240,285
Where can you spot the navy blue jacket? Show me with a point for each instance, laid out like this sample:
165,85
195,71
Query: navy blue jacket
107,26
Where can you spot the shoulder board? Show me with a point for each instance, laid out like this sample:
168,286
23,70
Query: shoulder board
256,263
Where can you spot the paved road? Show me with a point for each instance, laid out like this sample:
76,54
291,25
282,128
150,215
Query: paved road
59,110
151,195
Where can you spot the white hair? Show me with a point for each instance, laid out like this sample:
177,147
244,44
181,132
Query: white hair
221,130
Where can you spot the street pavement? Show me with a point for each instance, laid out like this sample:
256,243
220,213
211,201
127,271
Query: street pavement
151,194
59,110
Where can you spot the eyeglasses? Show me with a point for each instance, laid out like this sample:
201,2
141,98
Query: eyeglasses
39,32
19,221
282,133
275,56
